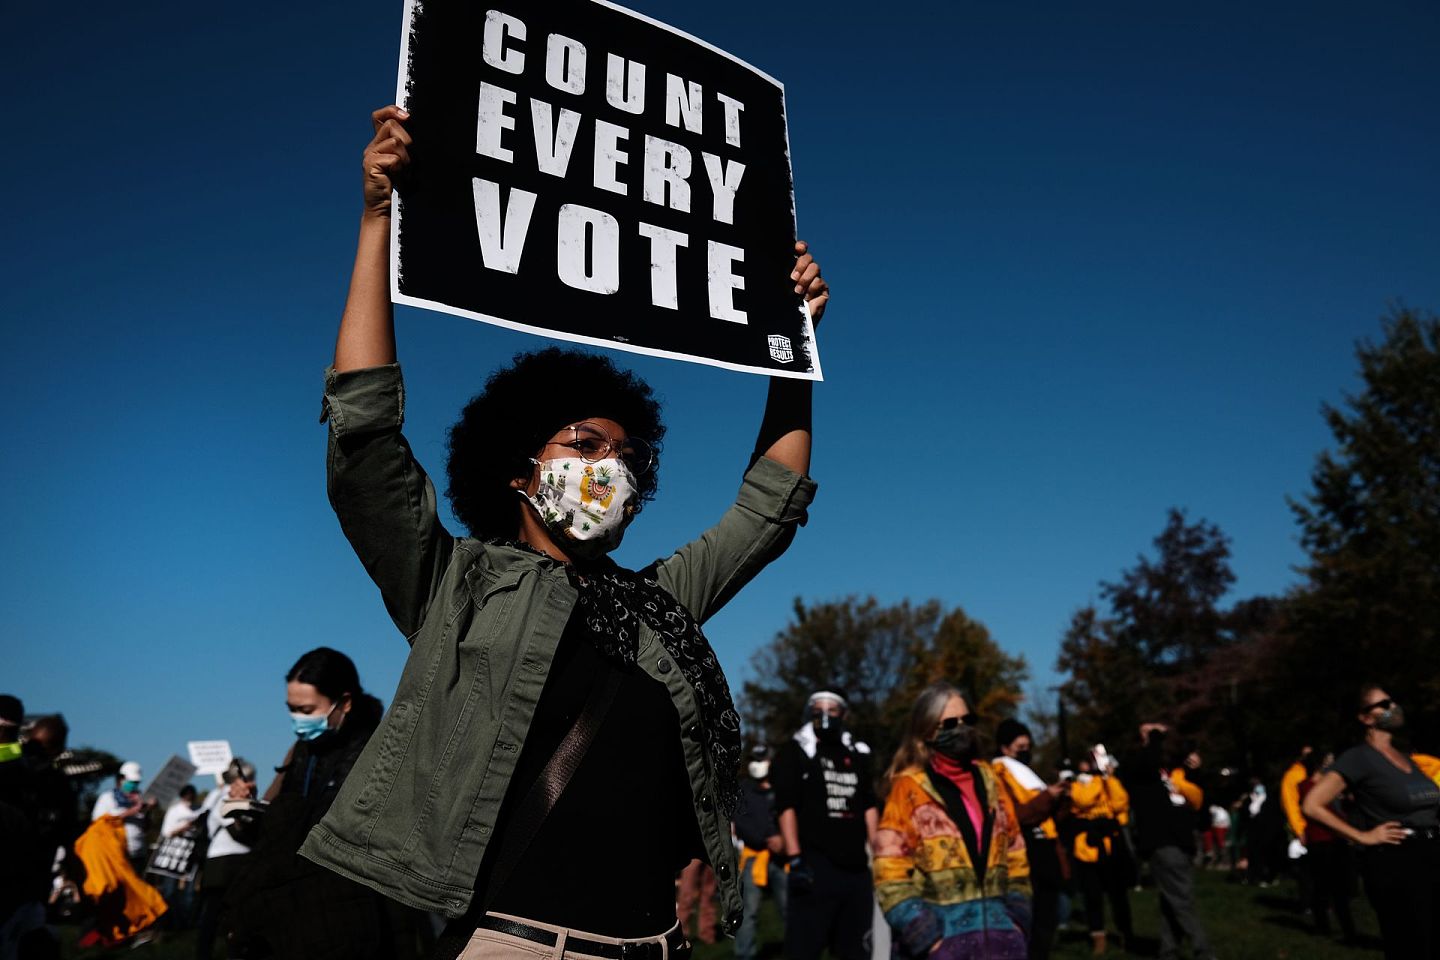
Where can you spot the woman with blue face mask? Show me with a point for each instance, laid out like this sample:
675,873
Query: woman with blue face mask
285,905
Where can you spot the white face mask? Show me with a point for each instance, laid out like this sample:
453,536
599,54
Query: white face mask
759,769
585,506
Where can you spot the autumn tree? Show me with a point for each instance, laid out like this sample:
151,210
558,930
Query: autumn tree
882,656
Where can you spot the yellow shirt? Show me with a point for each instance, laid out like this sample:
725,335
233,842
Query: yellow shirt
1290,798
1099,798
1023,795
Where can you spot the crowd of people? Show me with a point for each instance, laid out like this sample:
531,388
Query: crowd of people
561,769
965,850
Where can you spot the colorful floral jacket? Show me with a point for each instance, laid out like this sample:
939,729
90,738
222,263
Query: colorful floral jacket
926,877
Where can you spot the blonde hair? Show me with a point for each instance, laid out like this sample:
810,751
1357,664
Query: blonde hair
924,717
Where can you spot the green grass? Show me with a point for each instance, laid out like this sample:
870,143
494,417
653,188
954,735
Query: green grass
1244,923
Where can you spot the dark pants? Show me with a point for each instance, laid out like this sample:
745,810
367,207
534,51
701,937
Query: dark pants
215,880
1173,872
1403,884
1108,876
1331,878
836,912
1045,882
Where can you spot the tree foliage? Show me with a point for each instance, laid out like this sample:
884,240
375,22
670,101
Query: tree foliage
882,656
1371,526
1149,655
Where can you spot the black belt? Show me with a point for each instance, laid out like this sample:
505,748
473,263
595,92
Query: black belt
639,950
1423,833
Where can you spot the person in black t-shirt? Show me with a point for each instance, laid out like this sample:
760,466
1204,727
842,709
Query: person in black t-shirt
1399,832
828,813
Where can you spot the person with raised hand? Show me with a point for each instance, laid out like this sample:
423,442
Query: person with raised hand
538,666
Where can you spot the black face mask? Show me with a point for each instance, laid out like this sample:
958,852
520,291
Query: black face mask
957,743
829,729
1024,756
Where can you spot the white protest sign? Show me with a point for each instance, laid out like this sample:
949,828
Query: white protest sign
165,787
210,756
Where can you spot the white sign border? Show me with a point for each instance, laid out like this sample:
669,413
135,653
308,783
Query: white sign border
398,208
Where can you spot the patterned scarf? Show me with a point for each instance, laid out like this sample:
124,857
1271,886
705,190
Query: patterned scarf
613,602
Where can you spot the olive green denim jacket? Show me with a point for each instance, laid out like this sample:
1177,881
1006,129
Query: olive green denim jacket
416,814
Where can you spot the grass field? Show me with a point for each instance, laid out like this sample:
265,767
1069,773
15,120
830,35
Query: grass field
1245,923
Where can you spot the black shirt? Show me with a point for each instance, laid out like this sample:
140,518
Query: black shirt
606,857
829,793
1383,792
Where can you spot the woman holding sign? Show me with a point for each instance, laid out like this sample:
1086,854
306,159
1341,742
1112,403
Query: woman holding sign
555,708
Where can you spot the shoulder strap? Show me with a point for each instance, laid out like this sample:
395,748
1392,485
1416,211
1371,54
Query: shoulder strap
546,790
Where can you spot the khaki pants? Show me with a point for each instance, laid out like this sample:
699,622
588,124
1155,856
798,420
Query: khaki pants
494,945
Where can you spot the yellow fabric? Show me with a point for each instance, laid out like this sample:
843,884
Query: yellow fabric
1021,796
1097,799
758,863
1191,792
1290,798
1428,765
125,904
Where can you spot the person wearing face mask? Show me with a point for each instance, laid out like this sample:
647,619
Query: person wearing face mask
1036,805
125,801
762,866
827,814
285,907
1398,807
538,666
950,867
1098,855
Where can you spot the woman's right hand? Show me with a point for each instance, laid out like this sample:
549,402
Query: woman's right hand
1390,832
386,156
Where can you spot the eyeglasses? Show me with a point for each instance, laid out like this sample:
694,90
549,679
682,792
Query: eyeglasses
1385,704
950,723
592,443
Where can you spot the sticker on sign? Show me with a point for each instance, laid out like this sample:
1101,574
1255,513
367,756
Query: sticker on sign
210,756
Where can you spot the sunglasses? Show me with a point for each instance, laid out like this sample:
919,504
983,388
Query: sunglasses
950,723
1385,704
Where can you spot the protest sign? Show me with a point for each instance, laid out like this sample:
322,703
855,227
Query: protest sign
210,756
584,172
175,857
165,786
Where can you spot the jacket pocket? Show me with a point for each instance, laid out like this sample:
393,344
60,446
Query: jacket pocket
394,735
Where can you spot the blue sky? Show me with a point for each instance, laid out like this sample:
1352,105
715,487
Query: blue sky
1090,261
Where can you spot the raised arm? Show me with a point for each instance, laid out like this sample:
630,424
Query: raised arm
384,500
367,328
785,429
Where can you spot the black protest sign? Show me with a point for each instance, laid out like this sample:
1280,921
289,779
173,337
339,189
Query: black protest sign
583,172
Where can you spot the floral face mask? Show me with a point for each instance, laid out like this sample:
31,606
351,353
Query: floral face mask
585,506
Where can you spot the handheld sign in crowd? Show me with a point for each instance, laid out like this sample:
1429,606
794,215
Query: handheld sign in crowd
209,756
165,787
587,173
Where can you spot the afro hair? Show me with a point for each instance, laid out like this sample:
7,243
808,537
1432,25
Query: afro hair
521,406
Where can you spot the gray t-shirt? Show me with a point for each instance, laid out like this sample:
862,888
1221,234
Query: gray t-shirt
1383,792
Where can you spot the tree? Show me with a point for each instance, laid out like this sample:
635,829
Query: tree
1154,655
854,644
1371,525
882,657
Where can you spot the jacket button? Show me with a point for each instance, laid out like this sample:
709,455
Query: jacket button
723,870
663,666
705,803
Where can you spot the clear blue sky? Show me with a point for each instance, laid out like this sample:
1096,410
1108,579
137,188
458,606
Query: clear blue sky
1090,261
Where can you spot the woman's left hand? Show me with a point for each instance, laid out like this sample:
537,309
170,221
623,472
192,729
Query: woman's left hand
808,281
